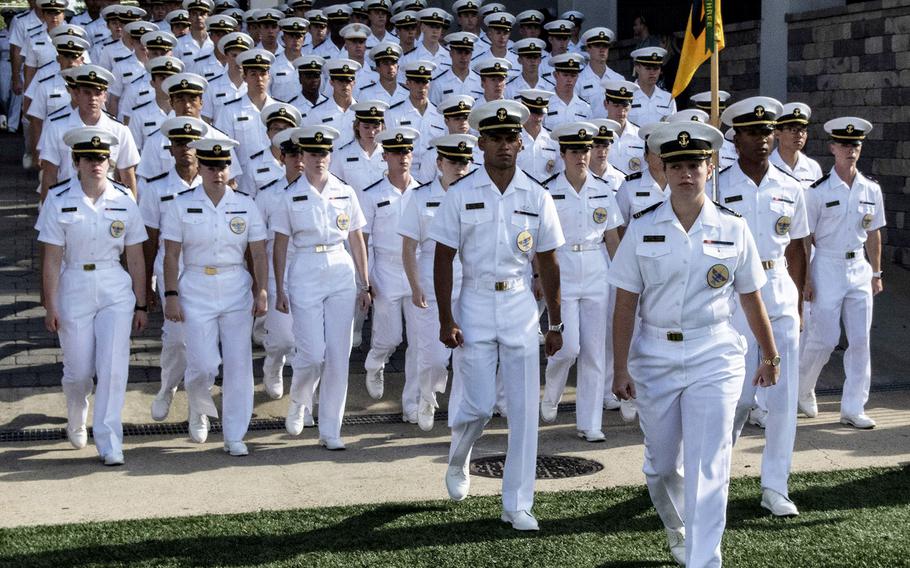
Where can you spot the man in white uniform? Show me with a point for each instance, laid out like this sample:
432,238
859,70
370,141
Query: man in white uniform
650,103
628,151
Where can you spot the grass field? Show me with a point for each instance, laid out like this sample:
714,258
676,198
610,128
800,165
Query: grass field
857,518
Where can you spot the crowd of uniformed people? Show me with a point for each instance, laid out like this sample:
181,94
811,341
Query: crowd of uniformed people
289,173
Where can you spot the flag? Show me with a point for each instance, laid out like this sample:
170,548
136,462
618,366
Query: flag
704,28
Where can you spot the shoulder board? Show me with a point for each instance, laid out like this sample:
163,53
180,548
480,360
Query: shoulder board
206,56
336,177
636,175
61,116
346,145
112,117
469,174
233,101
156,178
154,132
48,78
64,191
137,107
120,187
534,179
374,184
512,79
724,170
33,28
46,64
137,79
598,178
216,77
820,180
727,210
549,179
270,184
399,103
785,172
584,100
441,74
257,154
122,58
373,84
62,109
409,51
647,210
58,184
185,191
870,178
422,185
109,42
241,192
319,103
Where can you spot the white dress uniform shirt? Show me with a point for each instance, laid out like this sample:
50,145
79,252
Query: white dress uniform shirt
728,154
613,177
355,167
628,151
22,26
374,91
284,84
52,149
220,91
638,192
263,168
388,36
447,83
430,124
518,83
109,52
510,56
382,204
441,58
646,110
97,31
539,157
559,112
576,209
588,87
207,66
840,215
157,158
47,95
125,70
304,105
328,113
188,48
326,50
136,93
310,218
241,122
40,49
156,195
145,120
807,170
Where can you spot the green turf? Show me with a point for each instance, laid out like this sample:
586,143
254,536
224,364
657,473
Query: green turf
857,518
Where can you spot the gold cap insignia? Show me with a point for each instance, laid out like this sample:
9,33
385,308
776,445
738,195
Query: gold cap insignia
797,112
683,139
96,141
318,137
501,114
399,138
92,75
187,127
461,105
850,128
582,133
184,83
462,145
759,111
373,111
217,149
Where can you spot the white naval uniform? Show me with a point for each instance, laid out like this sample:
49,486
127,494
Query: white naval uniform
207,66
559,112
155,196
589,88
47,95
125,70
776,213
328,113
304,105
264,168
188,48
446,84
108,52
145,119
241,122
839,218
135,93
284,84
728,155
39,50
355,167
687,389
646,110
432,355
585,216
499,326
518,83
220,91
806,171
95,302
628,151
382,205
374,91
322,293
157,158
388,36
539,157
441,58
217,308
638,192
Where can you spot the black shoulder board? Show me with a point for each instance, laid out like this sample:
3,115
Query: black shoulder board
636,175
64,191
136,80
216,77
647,210
241,192
549,179
868,177
61,116
537,181
257,154
820,180
156,178
319,103
597,177
58,184
336,177
233,101
206,56
373,84
399,103
346,145
422,185
374,184
784,171
48,78
119,59
470,173
137,107
46,64
410,50
270,184
724,170
185,191
112,117
727,209
441,74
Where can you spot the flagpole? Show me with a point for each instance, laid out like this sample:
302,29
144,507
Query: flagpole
715,102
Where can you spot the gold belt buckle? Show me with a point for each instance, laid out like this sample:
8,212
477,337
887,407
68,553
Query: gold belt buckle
851,254
321,248
88,267
767,264
211,270
674,336
502,286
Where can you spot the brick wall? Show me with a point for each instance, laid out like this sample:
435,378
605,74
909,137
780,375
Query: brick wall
855,61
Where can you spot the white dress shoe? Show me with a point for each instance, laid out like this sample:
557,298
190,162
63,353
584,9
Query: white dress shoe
458,482
758,417
78,437
520,520
198,427
611,402
779,505
409,417
113,458
592,435
860,421
161,406
236,448
375,383
808,405
676,541
627,410
548,411
333,444
294,421
274,386
425,415
308,421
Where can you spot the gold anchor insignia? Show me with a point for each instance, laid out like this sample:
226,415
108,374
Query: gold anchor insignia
258,58
501,114
318,137
582,133
92,75
603,131
539,100
184,83
389,50
497,66
602,35
683,139
435,15
622,91
217,149
797,112
461,105
695,118
168,65
345,68
313,64
502,20
850,129
296,25
462,146
399,138
655,55
422,69
573,63
69,44
96,141
373,111
562,27
187,127
759,111
282,111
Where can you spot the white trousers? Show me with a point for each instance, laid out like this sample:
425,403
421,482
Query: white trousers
432,355
843,288
686,398
322,293
393,301
499,327
173,348
217,310
279,336
96,314
780,297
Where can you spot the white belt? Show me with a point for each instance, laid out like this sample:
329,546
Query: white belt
213,270
583,247
497,285
391,256
858,253
90,266
318,248
670,334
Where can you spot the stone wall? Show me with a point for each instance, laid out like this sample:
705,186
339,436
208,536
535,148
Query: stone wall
855,61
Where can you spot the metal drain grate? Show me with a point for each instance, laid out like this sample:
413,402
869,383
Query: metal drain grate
548,467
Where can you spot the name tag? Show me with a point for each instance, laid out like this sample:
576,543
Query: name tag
642,193
328,119
470,206
234,212
527,213
148,124
433,203
782,200
654,238
167,198
867,203
832,203
299,198
636,106
353,159
448,91
720,243
733,198
383,203
69,209
57,96
242,118
194,210
262,170
587,87
115,208
406,122
338,197
559,196
604,196
281,73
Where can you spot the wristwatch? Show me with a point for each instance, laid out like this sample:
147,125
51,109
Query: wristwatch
773,361
877,274
557,328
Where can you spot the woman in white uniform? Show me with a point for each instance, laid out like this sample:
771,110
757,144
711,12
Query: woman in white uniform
359,162
93,303
684,259
324,284
589,215
211,226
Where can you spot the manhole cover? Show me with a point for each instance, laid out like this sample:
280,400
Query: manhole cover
548,467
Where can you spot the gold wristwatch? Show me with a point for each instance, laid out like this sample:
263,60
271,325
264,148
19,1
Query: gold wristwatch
773,361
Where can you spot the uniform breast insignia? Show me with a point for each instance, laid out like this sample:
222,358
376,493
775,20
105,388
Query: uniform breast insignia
117,229
867,221
733,198
782,226
718,275
524,241
654,238
634,164
343,221
238,225
600,215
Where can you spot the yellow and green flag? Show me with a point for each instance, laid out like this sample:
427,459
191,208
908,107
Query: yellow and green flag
703,30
